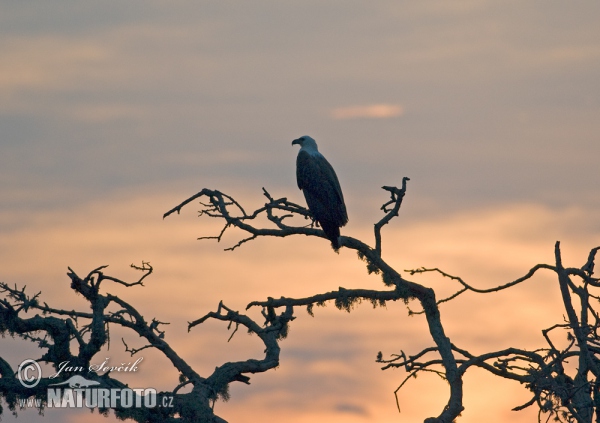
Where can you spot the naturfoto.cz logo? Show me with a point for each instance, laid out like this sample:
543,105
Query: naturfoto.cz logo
79,392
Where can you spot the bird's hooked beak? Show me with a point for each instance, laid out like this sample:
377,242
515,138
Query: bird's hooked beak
297,141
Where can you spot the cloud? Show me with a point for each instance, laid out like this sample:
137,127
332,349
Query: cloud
345,407
49,62
371,111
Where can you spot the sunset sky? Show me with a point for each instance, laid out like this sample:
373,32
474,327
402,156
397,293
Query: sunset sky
113,112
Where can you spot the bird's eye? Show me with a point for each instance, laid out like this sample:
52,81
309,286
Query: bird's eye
301,138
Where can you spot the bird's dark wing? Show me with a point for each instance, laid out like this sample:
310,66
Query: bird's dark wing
317,179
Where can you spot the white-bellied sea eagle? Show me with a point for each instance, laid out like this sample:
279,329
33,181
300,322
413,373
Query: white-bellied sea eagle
319,183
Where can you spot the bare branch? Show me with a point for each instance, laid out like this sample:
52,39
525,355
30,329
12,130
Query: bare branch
466,287
397,195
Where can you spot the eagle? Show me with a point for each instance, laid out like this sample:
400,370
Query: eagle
319,183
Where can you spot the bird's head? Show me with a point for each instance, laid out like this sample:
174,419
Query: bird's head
306,142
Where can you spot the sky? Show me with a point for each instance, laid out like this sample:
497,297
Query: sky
111,113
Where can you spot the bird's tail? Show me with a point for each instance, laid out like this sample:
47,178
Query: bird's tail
332,231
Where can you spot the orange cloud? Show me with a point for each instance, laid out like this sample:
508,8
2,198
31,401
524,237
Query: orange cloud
371,111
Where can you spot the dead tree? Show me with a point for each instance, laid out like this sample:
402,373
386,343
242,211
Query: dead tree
564,397
570,398
280,211
55,329
556,394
